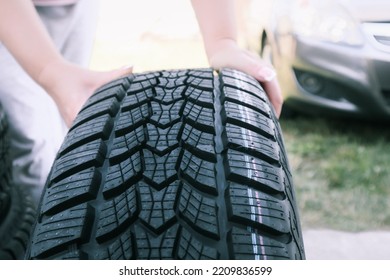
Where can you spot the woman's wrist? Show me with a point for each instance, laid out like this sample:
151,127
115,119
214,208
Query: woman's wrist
217,48
50,73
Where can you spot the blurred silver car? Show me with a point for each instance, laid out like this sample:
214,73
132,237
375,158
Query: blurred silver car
331,56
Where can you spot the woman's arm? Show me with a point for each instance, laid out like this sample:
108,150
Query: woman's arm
24,35
26,38
218,26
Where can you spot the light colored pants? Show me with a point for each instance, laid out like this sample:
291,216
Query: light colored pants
35,124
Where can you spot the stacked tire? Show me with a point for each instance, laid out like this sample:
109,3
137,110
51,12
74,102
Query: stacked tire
17,214
181,164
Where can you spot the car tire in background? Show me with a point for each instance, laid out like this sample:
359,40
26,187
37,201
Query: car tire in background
17,213
180,164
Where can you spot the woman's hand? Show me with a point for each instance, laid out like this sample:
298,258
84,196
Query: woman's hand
228,54
70,85
217,22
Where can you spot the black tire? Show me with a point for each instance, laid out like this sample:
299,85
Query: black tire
171,165
5,164
17,214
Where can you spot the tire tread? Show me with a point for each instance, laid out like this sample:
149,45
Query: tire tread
180,164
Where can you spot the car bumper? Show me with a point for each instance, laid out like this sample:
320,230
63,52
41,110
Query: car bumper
324,77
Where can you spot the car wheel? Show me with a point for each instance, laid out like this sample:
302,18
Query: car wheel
288,112
186,164
17,213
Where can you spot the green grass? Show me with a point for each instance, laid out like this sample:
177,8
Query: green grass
341,171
